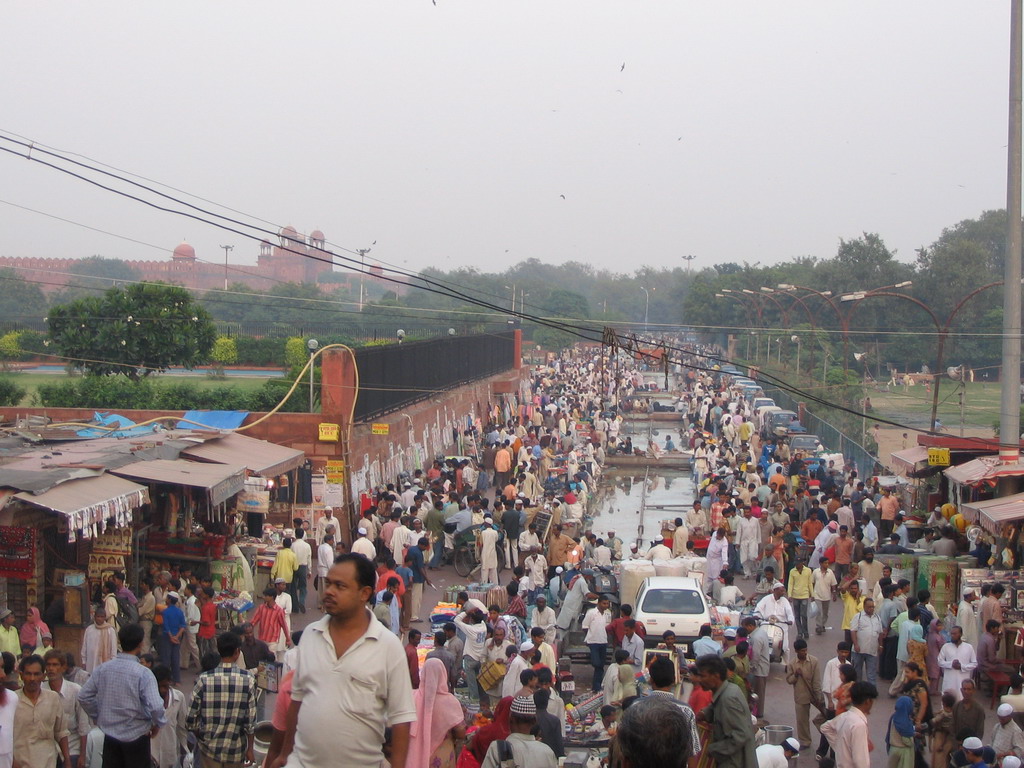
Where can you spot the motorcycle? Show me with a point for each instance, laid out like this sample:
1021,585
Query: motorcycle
776,636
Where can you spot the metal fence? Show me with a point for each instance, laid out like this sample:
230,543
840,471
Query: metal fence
833,439
396,375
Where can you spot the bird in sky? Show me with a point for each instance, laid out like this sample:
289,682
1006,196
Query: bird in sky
623,67
562,196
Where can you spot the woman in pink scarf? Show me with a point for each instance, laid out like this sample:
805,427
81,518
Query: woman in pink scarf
439,720
34,629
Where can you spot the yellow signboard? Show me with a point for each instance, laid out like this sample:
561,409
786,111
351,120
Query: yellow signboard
329,433
335,471
381,429
938,457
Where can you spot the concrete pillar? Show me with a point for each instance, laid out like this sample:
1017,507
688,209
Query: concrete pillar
337,386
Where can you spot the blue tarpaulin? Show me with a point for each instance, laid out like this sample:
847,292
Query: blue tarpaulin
213,419
128,428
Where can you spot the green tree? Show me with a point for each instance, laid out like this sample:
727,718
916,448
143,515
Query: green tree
20,300
92,275
295,352
10,348
134,331
225,352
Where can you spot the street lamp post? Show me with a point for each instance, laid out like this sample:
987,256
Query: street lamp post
312,345
941,328
647,305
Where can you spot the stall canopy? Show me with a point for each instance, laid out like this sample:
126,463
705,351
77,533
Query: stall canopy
258,456
911,459
985,469
992,513
220,481
91,500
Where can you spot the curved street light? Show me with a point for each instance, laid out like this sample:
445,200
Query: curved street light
942,328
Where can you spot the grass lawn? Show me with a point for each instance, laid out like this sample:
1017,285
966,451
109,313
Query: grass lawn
913,406
31,382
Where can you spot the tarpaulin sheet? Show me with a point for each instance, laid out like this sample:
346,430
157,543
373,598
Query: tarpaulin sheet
128,427
213,419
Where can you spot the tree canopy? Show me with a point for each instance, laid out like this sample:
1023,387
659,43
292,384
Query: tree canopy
133,331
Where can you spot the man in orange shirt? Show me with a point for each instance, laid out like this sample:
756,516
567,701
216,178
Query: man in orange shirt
844,552
502,466
888,506
558,549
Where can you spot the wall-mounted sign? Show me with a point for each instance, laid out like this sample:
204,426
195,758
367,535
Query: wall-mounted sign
938,457
335,471
329,433
381,429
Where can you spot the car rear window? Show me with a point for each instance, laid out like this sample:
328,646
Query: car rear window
679,601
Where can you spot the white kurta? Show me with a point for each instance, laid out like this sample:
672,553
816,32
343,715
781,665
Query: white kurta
782,610
488,548
98,645
967,620
718,553
748,538
951,678
165,746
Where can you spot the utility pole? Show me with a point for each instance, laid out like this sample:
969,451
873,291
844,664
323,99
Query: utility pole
362,273
1009,421
227,250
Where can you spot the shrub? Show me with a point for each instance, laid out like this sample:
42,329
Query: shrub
10,392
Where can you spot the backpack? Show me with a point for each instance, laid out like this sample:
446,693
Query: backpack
126,612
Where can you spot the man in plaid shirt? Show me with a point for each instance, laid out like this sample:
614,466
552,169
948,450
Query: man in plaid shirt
223,711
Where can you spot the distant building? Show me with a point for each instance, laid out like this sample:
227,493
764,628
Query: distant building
286,262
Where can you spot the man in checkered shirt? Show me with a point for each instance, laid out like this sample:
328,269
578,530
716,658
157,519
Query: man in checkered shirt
223,711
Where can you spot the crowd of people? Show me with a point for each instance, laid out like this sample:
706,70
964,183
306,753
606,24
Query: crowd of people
787,535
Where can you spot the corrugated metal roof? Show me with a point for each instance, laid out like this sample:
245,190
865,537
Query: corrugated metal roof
910,457
992,513
90,500
982,469
258,456
221,481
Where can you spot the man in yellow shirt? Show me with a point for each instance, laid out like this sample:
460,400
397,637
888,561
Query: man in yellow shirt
853,603
285,564
9,639
799,595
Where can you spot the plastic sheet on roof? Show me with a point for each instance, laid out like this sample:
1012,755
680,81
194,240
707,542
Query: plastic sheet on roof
213,419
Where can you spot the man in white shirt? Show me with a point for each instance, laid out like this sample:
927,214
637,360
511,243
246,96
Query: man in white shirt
529,539
408,495
967,618
510,685
75,719
544,617
488,552
351,678
401,538
363,546
777,604
303,573
866,631
324,560
659,552
327,520
474,630
595,624
777,755
602,554
536,571
957,661
633,644
823,592
830,676
189,641
848,734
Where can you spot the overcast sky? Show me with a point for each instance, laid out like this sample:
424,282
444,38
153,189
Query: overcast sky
740,131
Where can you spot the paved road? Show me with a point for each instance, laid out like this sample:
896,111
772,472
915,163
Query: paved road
780,709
